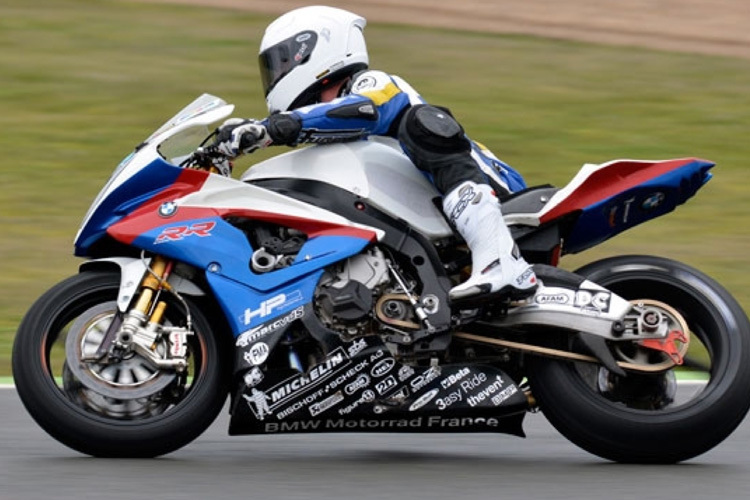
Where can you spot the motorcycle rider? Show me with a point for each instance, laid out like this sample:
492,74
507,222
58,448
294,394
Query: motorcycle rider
319,89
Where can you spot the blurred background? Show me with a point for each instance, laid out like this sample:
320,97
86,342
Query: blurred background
547,85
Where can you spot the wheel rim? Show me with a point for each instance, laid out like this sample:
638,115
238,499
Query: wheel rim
133,377
675,387
106,390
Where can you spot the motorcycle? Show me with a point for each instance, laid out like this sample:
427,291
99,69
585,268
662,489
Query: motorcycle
314,292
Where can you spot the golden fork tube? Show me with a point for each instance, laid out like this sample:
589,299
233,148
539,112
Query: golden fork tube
158,266
144,301
158,313
150,284
154,322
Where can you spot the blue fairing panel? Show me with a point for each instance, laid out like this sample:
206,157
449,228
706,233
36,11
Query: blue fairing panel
246,308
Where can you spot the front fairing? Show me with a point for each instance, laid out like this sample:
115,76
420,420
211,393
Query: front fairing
196,218
149,169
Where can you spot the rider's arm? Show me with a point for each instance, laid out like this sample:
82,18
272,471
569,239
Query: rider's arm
375,101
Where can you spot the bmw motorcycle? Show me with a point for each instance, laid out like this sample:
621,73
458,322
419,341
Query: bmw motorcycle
314,292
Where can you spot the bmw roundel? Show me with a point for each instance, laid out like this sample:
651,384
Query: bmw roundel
652,201
168,209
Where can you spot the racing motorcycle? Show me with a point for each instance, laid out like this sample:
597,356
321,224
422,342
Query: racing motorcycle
314,292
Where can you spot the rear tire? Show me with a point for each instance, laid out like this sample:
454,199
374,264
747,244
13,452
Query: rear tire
101,425
615,429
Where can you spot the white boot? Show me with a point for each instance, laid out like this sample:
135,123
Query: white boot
497,265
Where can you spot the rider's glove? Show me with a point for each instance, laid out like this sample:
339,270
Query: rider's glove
236,137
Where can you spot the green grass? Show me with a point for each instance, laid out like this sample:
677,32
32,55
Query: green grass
82,82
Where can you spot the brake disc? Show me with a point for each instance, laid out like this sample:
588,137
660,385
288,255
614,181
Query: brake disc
132,377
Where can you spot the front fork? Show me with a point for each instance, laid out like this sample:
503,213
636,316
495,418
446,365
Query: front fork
142,328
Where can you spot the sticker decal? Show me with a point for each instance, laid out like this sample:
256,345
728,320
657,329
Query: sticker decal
367,82
423,399
258,402
593,300
329,402
360,382
257,333
257,354
653,201
267,307
382,367
356,347
386,385
253,377
177,233
556,298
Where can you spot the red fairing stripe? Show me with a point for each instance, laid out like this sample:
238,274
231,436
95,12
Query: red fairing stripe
147,218
615,178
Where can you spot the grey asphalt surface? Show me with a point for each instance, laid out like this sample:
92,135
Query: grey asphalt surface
358,466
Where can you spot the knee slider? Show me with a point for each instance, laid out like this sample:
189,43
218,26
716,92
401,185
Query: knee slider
430,129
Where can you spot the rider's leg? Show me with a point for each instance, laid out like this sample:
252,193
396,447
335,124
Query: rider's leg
496,264
436,143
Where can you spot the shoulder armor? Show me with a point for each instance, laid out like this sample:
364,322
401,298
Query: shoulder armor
370,80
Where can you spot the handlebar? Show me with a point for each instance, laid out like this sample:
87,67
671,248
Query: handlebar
209,158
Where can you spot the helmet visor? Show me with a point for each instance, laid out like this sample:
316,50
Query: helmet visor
277,61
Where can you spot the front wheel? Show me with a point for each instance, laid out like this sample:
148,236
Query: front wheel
126,408
668,416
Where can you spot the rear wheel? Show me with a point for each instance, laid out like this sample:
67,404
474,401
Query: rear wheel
125,408
669,415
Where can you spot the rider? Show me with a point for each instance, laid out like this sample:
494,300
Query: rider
314,69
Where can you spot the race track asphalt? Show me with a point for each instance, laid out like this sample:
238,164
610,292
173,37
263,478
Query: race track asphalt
358,467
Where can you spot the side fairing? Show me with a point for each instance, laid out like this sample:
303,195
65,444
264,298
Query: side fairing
194,229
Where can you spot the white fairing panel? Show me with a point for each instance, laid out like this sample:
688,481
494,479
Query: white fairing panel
375,170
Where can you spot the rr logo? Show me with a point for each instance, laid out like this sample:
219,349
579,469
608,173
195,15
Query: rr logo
176,233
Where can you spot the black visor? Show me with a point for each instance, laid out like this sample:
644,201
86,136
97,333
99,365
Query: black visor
277,61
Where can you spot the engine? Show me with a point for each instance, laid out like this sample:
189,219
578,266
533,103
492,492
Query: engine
363,295
360,297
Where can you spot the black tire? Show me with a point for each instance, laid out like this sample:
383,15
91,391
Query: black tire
620,432
190,408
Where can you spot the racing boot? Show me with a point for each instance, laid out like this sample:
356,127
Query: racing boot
497,266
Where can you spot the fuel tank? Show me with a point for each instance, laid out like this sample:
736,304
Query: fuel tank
376,170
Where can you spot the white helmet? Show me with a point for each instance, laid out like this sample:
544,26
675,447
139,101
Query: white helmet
307,48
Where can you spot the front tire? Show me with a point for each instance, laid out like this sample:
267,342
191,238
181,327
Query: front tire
172,415
616,424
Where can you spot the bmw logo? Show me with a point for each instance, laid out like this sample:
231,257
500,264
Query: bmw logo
652,201
168,209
